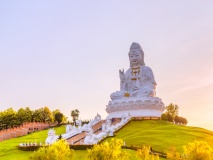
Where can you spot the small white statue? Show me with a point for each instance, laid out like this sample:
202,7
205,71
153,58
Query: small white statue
98,117
107,127
93,138
21,144
52,137
68,128
89,139
79,123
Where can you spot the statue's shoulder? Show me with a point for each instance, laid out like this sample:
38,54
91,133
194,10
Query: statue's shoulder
146,69
128,70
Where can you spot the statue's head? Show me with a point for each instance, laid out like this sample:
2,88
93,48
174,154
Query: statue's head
89,131
136,55
109,121
98,117
51,132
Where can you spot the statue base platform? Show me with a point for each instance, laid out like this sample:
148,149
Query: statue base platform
135,107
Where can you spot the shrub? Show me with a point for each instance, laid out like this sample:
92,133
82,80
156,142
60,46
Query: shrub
164,117
81,147
108,151
57,151
29,148
144,154
172,154
198,150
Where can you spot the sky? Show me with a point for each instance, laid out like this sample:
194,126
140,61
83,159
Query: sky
66,54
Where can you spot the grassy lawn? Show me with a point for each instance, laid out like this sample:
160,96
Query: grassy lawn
160,135
9,151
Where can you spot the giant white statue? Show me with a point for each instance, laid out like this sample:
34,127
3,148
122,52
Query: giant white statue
137,89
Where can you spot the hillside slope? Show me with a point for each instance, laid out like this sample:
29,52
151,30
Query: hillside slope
161,135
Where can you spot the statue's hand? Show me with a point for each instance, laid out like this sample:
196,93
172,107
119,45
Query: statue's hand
122,75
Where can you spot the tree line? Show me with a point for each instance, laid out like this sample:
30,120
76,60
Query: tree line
10,118
171,115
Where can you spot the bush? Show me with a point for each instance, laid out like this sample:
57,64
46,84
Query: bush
29,148
57,151
172,154
164,117
198,150
108,151
144,154
81,147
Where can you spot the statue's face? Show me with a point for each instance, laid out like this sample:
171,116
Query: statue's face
51,133
135,57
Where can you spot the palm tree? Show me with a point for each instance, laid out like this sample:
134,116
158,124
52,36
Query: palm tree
74,115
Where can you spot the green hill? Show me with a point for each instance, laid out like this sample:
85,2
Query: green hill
9,151
156,133
161,135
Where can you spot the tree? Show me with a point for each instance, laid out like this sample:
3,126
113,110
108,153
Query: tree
59,117
43,115
57,151
198,150
108,151
9,118
144,154
177,119
170,118
48,116
74,115
37,115
24,115
172,154
1,121
171,115
54,112
172,109
164,117
183,121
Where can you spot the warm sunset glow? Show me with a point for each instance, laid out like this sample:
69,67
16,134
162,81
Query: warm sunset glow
67,55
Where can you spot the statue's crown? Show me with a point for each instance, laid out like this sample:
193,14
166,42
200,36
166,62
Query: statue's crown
135,45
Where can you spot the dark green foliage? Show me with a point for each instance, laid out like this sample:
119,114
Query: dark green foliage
183,120
85,122
42,115
59,117
24,115
29,148
170,118
74,115
81,147
164,117
172,109
171,115
177,119
8,119
60,137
